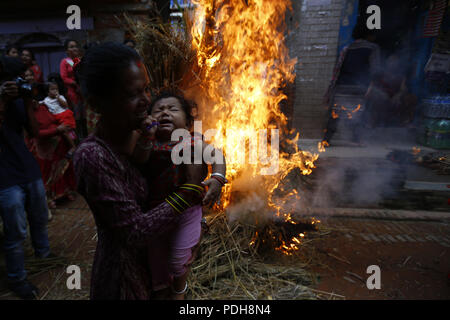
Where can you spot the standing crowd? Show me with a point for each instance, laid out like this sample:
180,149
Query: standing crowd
148,211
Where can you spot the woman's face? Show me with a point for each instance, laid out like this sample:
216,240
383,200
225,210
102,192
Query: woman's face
26,57
13,52
72,49
170,115
127,108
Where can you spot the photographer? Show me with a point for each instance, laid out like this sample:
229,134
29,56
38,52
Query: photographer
22,192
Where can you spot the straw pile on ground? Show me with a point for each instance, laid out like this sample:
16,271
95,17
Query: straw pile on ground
230,268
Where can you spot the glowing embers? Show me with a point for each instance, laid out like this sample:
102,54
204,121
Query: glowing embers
349,111
284,236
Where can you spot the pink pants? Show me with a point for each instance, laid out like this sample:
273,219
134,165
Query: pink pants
169,255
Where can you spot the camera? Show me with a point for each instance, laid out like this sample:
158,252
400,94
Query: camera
25,89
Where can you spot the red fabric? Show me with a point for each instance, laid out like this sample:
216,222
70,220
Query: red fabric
434,19
38,75
50,149
68,76
66,118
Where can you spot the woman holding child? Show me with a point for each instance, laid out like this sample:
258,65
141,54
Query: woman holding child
52,148
113,80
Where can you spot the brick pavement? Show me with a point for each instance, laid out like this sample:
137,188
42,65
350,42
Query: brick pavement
411,247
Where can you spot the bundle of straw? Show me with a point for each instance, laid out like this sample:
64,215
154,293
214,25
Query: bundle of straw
229,268
166,51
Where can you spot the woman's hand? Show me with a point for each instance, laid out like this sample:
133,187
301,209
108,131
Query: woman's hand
213,194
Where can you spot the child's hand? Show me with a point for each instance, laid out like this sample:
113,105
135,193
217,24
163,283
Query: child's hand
149,127
213,194
62,128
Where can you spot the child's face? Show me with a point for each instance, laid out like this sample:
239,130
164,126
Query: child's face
53,91
170,115
29,77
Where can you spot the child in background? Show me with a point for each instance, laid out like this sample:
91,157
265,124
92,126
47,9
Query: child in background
171,111
57,105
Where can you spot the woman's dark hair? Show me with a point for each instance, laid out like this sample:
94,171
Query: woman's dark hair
56,78
187,105
66,43
31,53
101,69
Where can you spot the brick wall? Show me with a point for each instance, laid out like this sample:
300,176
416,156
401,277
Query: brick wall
313,39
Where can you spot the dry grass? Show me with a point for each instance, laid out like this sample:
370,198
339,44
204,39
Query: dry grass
230,268
166,52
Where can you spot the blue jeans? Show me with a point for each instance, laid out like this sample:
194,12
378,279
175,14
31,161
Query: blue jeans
18,204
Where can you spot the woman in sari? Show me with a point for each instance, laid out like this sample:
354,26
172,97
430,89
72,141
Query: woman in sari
51,149
73,90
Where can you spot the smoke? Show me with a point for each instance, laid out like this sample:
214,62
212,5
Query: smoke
353,182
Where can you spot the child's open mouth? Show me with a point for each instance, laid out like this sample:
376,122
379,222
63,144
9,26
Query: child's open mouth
165,123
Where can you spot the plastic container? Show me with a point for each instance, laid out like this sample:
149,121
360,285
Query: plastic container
439,134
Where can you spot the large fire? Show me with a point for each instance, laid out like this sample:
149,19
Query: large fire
244,65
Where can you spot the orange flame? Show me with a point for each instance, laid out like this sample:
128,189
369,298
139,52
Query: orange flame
334,114
244,65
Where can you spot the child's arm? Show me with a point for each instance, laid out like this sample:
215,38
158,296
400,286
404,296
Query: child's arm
217,179
143,141
62,101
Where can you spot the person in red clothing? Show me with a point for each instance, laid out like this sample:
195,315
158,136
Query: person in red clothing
28,59
50,150
73,90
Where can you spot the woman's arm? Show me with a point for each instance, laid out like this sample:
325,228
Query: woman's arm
63,67
113,201
214,183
